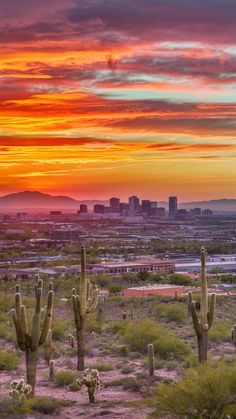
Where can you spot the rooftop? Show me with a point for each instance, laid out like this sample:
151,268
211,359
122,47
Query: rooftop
156,287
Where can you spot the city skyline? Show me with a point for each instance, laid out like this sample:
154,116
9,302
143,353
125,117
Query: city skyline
94,103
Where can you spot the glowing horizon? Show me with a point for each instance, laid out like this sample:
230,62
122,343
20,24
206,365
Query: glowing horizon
112,99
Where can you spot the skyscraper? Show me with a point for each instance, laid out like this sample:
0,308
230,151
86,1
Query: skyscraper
146,206
134,204
172,206
115,204
83,209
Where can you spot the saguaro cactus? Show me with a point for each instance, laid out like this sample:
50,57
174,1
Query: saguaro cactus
52,370
48,347
203,324
190,300
83,303
151,361
29,341
71,340
233,335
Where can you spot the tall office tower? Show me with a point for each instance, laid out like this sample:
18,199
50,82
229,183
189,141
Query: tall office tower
124,208
146,206
161,212
98,209
83,209
134,204
115,204
172,206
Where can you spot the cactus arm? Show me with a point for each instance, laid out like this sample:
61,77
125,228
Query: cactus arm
47,318
24,326
35,327
151,362
48,346
17,304
233,334
76,311
92,304
211,313
18,330
18,314
196,323
190,300
204,290
83,282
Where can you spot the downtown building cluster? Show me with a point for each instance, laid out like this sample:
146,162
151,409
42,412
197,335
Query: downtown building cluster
146,207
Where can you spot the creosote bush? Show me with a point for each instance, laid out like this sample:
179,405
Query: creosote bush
220,332
207,392
175,312
8,361
166,345
64,378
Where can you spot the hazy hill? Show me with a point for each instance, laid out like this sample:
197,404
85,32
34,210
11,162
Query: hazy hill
40,200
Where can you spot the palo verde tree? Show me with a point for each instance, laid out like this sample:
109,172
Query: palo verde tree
203,323
83,303
29,340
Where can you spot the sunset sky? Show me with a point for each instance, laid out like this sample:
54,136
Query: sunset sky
116,97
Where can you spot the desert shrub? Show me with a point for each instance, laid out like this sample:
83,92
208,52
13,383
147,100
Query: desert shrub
114,299
121,350
46,405
220,331
119,326
145,331
93,324
205,392
127,369
74,386
191,361
176,312
131,384
113,289
60,328
178,279
128,383
7,407
170,346
103,367
8,361
139,334
64,378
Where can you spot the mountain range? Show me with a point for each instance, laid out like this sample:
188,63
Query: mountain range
38,200
34,200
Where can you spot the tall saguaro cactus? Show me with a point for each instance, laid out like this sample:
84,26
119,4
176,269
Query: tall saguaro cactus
83,303
203,323
29,340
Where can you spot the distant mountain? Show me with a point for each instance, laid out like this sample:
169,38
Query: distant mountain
34,200
221,205
39,200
